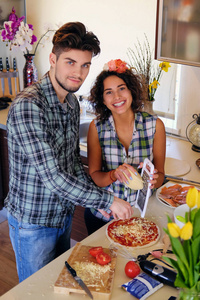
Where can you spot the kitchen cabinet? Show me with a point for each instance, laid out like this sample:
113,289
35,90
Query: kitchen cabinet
4,168
178,31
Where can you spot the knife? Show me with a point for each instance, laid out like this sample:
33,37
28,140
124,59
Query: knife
178,179
78,279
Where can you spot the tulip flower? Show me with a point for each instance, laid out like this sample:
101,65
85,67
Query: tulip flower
186,231
174,229
191,197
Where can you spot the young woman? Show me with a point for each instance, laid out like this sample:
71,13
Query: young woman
121,137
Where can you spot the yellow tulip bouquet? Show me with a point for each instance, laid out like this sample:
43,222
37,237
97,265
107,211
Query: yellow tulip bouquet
185,244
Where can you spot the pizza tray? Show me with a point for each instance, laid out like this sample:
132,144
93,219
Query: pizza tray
100,285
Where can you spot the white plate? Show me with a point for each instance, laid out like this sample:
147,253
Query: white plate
168,184
176,167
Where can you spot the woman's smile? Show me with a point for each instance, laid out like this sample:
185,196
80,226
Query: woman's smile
119,104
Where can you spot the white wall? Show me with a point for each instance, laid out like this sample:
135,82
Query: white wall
116,23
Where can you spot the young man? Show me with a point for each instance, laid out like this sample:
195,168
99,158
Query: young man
47,179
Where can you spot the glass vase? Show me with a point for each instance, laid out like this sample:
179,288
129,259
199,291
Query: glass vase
148,107
30,74
188,294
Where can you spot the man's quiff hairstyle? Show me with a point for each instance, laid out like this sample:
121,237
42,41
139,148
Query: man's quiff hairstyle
73,35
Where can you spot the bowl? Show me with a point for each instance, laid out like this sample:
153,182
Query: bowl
180,211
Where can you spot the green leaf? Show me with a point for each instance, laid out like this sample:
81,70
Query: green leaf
184,270
196,227
196,250
181,219
193,213
169,219
179,266
180,283
188,252
196,276
187,216
178,250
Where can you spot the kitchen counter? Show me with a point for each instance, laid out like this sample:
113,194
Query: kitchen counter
40,285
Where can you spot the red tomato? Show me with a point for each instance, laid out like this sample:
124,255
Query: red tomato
96,250
132,269
103,258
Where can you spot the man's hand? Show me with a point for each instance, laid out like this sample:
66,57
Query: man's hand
121,209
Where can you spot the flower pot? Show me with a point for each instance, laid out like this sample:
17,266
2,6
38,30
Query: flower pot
188,294
29,72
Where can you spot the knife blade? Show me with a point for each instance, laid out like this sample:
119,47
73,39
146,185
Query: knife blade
179,179
78,280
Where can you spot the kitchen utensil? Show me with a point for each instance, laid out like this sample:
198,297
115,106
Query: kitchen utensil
78,279
182,180
123,252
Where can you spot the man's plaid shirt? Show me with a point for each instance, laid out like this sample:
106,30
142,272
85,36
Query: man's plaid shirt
47,179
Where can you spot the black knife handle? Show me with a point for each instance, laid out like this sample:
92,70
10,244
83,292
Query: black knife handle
72,271
7,64
14,64
161,273
1,64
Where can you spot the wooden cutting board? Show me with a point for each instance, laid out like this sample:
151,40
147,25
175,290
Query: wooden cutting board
99,279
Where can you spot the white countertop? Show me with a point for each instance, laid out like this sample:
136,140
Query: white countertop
181,149
40,285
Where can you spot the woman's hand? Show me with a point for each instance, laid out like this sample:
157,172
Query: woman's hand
153,178
119,172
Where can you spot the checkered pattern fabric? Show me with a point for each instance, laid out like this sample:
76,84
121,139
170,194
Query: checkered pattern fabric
114,153
46,176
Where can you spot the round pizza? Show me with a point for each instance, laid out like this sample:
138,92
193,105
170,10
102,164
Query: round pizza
134,232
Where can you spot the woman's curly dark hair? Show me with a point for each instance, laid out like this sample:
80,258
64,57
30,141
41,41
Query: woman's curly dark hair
133,83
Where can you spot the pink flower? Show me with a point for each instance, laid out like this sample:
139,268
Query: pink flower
117,65
112,65
34,39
